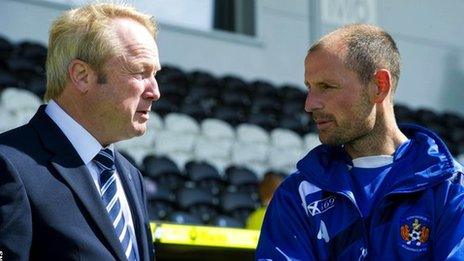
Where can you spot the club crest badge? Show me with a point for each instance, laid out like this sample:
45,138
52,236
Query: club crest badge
415,233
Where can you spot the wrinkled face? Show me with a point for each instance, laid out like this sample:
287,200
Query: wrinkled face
337,101
122,101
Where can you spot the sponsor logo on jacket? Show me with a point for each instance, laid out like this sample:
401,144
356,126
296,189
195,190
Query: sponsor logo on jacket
321,206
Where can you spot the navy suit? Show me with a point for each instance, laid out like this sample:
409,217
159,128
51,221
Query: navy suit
49,206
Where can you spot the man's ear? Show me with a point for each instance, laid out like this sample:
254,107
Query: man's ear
81,75
382,85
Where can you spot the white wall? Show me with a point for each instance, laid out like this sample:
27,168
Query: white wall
431,41
429,34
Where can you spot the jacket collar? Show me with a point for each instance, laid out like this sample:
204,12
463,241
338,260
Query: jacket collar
424,163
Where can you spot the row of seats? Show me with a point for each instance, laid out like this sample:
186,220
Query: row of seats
201,95
164,204
181,138
198,193
23,65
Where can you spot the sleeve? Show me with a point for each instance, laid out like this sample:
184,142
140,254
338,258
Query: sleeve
285,234
15,215
449,241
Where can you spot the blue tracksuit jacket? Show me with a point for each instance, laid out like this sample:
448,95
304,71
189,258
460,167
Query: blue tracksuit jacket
313,214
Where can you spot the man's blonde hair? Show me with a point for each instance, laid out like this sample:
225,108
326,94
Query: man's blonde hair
84,33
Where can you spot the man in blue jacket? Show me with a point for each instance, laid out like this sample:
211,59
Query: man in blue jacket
372,190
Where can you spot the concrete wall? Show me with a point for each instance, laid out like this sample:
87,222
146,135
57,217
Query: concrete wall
429,34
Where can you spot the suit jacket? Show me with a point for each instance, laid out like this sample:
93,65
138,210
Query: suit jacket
49,206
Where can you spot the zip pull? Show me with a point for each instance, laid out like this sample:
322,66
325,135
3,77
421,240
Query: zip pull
363,253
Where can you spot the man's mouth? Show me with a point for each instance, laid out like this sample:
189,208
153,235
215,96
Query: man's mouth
323,124
143,112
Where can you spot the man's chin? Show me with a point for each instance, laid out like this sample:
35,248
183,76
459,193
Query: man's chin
138,130
328,140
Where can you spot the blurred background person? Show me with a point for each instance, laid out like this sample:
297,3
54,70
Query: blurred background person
266,188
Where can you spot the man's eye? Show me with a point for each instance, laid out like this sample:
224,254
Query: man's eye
140,75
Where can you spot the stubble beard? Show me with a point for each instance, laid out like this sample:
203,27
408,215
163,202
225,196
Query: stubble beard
349,132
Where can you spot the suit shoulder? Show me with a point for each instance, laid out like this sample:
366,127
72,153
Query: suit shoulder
23,146
17,136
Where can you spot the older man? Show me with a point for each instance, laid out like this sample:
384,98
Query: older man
65,193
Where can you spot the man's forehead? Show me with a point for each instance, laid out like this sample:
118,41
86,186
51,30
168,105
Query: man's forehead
324,57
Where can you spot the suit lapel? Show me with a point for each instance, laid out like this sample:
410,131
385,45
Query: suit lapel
70,166
135,205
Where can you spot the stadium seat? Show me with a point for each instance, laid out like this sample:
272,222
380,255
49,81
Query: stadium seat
296,122
232,115
242,179
284,138
226,221
261,88
178,135
160,200
210,149
202,78
253,134
164,171
217,129
205,176
181,123
238,205
229,97
7,80
198,202
172,75
8,120
245,153
311,140
284,159
6,49
266,105
292,93
266,121
197,110
19,100
234,83
182,217
34,52
164,107
155,122
169,142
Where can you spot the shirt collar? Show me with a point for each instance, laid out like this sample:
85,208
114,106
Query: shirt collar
378,161
85,144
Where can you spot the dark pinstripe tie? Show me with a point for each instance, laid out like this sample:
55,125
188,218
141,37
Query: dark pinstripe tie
108,188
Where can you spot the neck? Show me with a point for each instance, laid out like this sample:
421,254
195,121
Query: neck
384,139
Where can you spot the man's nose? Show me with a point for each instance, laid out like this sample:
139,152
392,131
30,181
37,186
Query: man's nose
312,102
152,90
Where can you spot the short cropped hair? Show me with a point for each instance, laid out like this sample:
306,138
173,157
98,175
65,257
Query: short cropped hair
84,33
368,48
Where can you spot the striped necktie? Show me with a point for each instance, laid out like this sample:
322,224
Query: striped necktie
108,188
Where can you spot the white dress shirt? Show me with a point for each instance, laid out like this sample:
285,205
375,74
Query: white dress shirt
88,147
